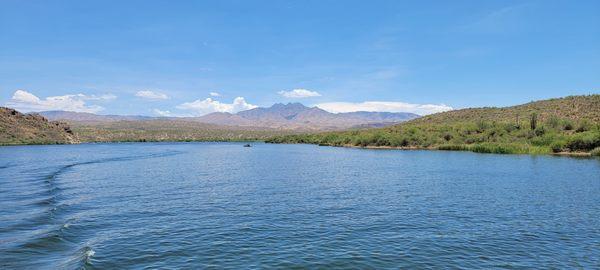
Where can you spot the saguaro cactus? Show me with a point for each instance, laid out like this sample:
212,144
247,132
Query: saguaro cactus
533,121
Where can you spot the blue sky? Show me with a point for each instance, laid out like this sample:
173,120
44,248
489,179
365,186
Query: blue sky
166,57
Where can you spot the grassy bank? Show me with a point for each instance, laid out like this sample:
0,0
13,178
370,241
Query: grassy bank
492,140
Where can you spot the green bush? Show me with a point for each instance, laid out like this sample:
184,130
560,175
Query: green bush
548,139
539,131
584,125
595,152
585,141
553,122
557,146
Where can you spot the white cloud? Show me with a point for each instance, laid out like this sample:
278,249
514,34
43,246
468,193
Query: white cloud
162,113
167,113
28,102
383,106
214,94
202,107
147,94
94,97
299,93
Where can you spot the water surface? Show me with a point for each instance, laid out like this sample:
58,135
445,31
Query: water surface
221,205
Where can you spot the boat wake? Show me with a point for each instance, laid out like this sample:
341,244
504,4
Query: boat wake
41,221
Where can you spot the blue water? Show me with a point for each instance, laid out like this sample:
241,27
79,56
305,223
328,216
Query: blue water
221,205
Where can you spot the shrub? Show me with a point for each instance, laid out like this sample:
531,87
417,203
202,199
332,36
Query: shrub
539,131
547,139
595,152
557,146
482,126
568,125
583,126
553,122
404,142
510,127
530,134
584,141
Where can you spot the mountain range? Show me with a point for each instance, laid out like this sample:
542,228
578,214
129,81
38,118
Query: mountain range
291,116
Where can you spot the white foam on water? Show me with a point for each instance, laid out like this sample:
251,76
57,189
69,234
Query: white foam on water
88,254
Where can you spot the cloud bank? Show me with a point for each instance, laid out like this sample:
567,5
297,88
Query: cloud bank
383,106
28,102
202,107
151,95
299,93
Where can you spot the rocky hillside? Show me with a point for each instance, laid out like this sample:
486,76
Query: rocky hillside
18,128
573,108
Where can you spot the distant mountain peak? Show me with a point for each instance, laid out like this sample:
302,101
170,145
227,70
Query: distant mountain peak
296,105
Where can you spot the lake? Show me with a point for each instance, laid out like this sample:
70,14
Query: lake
222,205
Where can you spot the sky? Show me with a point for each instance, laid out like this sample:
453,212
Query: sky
189,58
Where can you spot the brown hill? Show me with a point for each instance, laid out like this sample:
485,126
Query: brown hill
18,128
574,108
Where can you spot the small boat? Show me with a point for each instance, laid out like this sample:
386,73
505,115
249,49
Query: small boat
247,145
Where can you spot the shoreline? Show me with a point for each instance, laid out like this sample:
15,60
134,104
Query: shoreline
575,154
371,147
117,142
409,148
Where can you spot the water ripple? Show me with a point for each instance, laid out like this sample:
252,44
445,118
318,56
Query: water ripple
41,228
220,205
